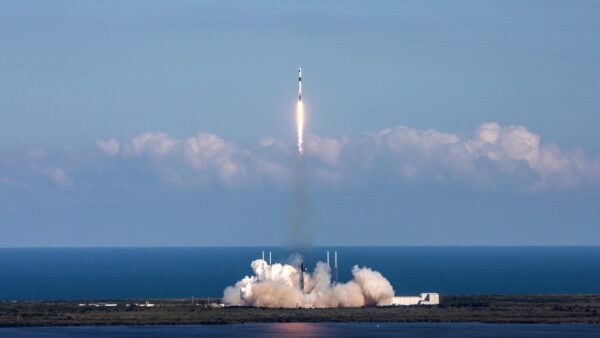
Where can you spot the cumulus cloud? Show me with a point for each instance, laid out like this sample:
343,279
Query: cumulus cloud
203,157
493,155
328,150
27,169
155,144
56,174
509,147
109,147
208,150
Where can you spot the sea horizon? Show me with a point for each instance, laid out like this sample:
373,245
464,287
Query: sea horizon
320,246
70,273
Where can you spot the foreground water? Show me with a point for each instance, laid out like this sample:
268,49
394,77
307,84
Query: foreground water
407,330
125,273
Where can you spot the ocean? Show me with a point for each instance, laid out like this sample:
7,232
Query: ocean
139,273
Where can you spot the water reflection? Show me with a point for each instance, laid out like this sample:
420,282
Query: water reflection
297,330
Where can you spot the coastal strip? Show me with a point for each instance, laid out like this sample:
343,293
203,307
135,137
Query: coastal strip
483,309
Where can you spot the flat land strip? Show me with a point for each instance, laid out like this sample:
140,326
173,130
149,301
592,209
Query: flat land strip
486,309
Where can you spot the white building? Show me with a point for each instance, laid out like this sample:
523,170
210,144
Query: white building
147,304
427,298
430,298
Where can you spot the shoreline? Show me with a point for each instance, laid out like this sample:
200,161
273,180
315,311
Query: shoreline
87,325
496,309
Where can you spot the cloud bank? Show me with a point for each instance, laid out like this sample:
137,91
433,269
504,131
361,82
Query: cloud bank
490,156
204,157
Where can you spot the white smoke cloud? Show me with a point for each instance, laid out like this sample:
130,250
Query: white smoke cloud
277,285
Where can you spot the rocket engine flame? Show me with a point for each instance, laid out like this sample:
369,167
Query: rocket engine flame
300,126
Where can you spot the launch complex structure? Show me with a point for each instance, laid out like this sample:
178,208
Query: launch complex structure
424,298
303,269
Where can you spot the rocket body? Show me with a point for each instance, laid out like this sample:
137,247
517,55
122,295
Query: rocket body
300,84
300,114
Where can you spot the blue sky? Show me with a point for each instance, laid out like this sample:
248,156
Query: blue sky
172,123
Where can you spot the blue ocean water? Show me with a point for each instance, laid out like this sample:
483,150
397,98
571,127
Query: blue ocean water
296,330
126,273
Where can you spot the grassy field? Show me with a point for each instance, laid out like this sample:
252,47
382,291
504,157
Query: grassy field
488,309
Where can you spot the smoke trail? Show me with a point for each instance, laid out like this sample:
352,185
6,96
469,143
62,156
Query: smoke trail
301,236
287,285
300,126
277,285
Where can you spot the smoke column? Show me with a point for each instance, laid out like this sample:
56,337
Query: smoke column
300,126
299,214
277,286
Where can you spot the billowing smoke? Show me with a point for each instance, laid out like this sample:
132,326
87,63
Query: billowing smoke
278,285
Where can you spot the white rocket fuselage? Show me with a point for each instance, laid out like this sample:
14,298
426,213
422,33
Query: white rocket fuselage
300,84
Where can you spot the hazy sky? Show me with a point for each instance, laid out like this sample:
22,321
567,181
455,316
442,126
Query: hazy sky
172,123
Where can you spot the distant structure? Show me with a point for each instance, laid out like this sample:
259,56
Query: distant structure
263,277
99,304
335,266
427,298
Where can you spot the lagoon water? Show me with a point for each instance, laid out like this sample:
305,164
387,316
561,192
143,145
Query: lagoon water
295,330
126,273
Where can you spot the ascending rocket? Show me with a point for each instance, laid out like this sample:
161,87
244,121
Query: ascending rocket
300,114
299,83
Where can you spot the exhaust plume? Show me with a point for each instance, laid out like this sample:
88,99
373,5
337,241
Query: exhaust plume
299,215
300,126
301,236
300,114
277,285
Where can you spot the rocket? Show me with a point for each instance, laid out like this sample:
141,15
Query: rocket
299,83
300,114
